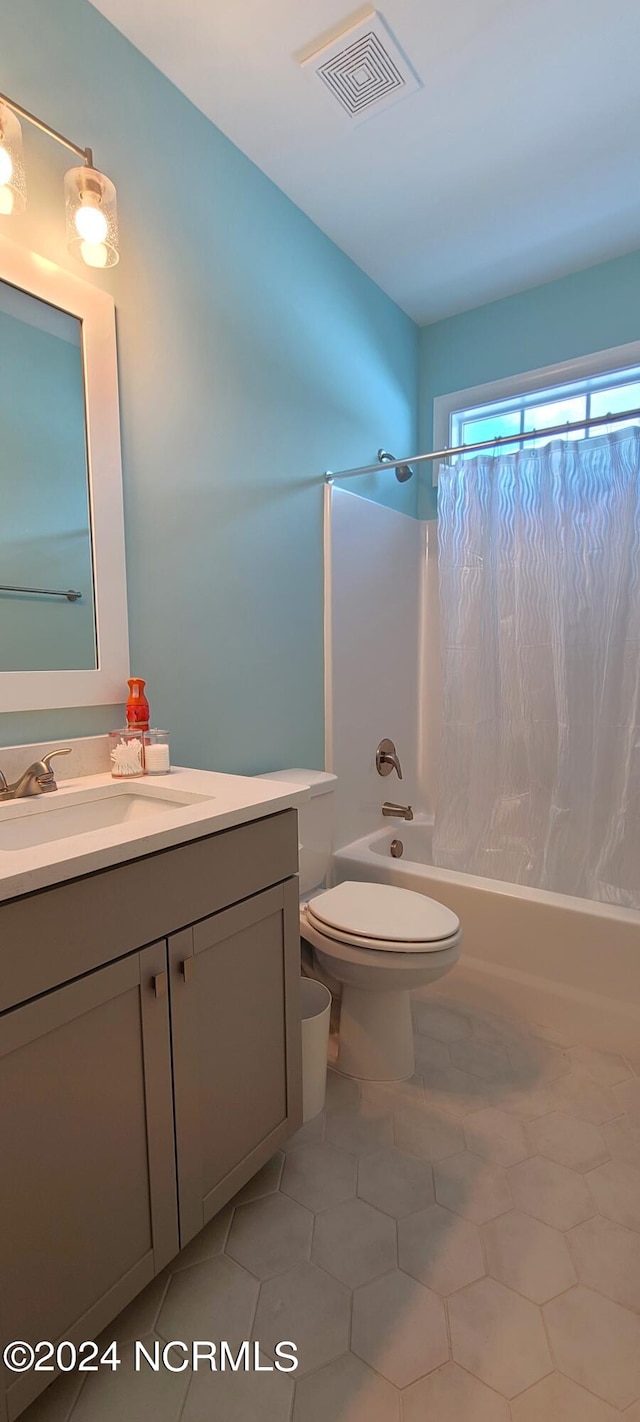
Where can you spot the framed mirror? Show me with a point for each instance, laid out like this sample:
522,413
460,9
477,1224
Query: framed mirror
63,606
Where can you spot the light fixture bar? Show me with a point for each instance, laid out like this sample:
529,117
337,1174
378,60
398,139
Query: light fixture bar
90,197
85,153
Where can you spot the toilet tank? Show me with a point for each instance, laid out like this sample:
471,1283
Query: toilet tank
315,823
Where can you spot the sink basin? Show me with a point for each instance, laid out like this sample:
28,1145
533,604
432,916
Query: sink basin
41,820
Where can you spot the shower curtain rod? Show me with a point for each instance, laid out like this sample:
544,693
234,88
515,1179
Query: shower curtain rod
483,444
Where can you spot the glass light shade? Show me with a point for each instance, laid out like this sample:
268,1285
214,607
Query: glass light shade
92,217
13,185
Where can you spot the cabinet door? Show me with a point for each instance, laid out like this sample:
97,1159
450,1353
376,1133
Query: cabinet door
235,1016
87,1186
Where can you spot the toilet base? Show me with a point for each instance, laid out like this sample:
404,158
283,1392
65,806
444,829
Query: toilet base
376,1035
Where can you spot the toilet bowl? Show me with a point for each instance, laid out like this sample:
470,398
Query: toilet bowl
371,943
379,943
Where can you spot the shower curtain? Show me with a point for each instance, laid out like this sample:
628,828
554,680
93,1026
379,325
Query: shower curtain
539,566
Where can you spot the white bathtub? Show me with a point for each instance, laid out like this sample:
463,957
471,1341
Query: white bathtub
565,962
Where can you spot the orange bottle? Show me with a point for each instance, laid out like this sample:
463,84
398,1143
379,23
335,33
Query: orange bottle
137,705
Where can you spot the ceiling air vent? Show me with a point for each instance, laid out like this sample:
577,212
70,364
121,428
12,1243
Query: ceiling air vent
363,67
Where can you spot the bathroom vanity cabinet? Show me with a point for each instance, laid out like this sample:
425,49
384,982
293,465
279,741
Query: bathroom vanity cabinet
149,1064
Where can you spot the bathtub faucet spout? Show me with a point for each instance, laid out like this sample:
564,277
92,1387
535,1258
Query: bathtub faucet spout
400,812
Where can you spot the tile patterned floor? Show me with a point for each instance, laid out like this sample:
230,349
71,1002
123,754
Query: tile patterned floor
463,1247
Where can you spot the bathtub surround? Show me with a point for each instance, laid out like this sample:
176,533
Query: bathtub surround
252,355
373,611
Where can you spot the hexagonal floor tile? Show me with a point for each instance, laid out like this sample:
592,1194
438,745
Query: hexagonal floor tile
139,1317
399,1328
343,1092
396,1183
557,1399
440,1249
236,1397
597,1343
496,1135
307,1307
627,1095
217,1293
451,1395
536,1061
616,1191
576,1144
490,1063
354,1242
427,1133
607,1258
578,1095
528,1256
211,1240
312,1130
498,1031
440,1022
348,1390
386,1095
270,1235
430,1054
56,1402
359,1132
317,1175
459,1092
623,1139
550,1192
498,1336
127,1393
264,1182
526,1101
604,1067
472,1187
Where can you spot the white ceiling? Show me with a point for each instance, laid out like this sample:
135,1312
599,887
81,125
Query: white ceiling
516,162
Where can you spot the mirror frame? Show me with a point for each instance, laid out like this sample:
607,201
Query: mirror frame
106,684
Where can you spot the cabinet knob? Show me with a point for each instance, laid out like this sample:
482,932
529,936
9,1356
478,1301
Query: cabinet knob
160,984
186,968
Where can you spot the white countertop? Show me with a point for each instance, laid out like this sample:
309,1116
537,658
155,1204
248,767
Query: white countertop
234,800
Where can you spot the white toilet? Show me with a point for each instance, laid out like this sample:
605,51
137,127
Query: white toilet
372,943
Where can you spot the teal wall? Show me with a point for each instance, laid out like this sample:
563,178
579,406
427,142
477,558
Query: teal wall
252,356
585,312
44,510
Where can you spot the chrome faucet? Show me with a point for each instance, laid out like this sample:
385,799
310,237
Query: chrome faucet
400,812
387,759
37,779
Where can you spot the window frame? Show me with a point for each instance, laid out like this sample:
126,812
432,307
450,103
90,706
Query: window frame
616,360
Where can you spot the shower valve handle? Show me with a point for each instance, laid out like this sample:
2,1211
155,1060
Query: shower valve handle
387,759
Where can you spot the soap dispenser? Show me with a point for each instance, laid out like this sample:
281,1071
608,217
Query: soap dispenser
137,704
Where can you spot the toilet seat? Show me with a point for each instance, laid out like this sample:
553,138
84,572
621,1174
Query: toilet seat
382,918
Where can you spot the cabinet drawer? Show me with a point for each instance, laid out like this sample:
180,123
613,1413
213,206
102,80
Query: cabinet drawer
57,934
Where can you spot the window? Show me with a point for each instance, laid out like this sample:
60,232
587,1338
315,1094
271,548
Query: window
600,384
562,404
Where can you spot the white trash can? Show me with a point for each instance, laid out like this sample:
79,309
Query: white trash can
315,1001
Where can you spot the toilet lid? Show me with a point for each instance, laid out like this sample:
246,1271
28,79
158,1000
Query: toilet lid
384,913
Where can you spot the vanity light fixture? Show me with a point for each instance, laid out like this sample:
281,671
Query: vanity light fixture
90,197
13,186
